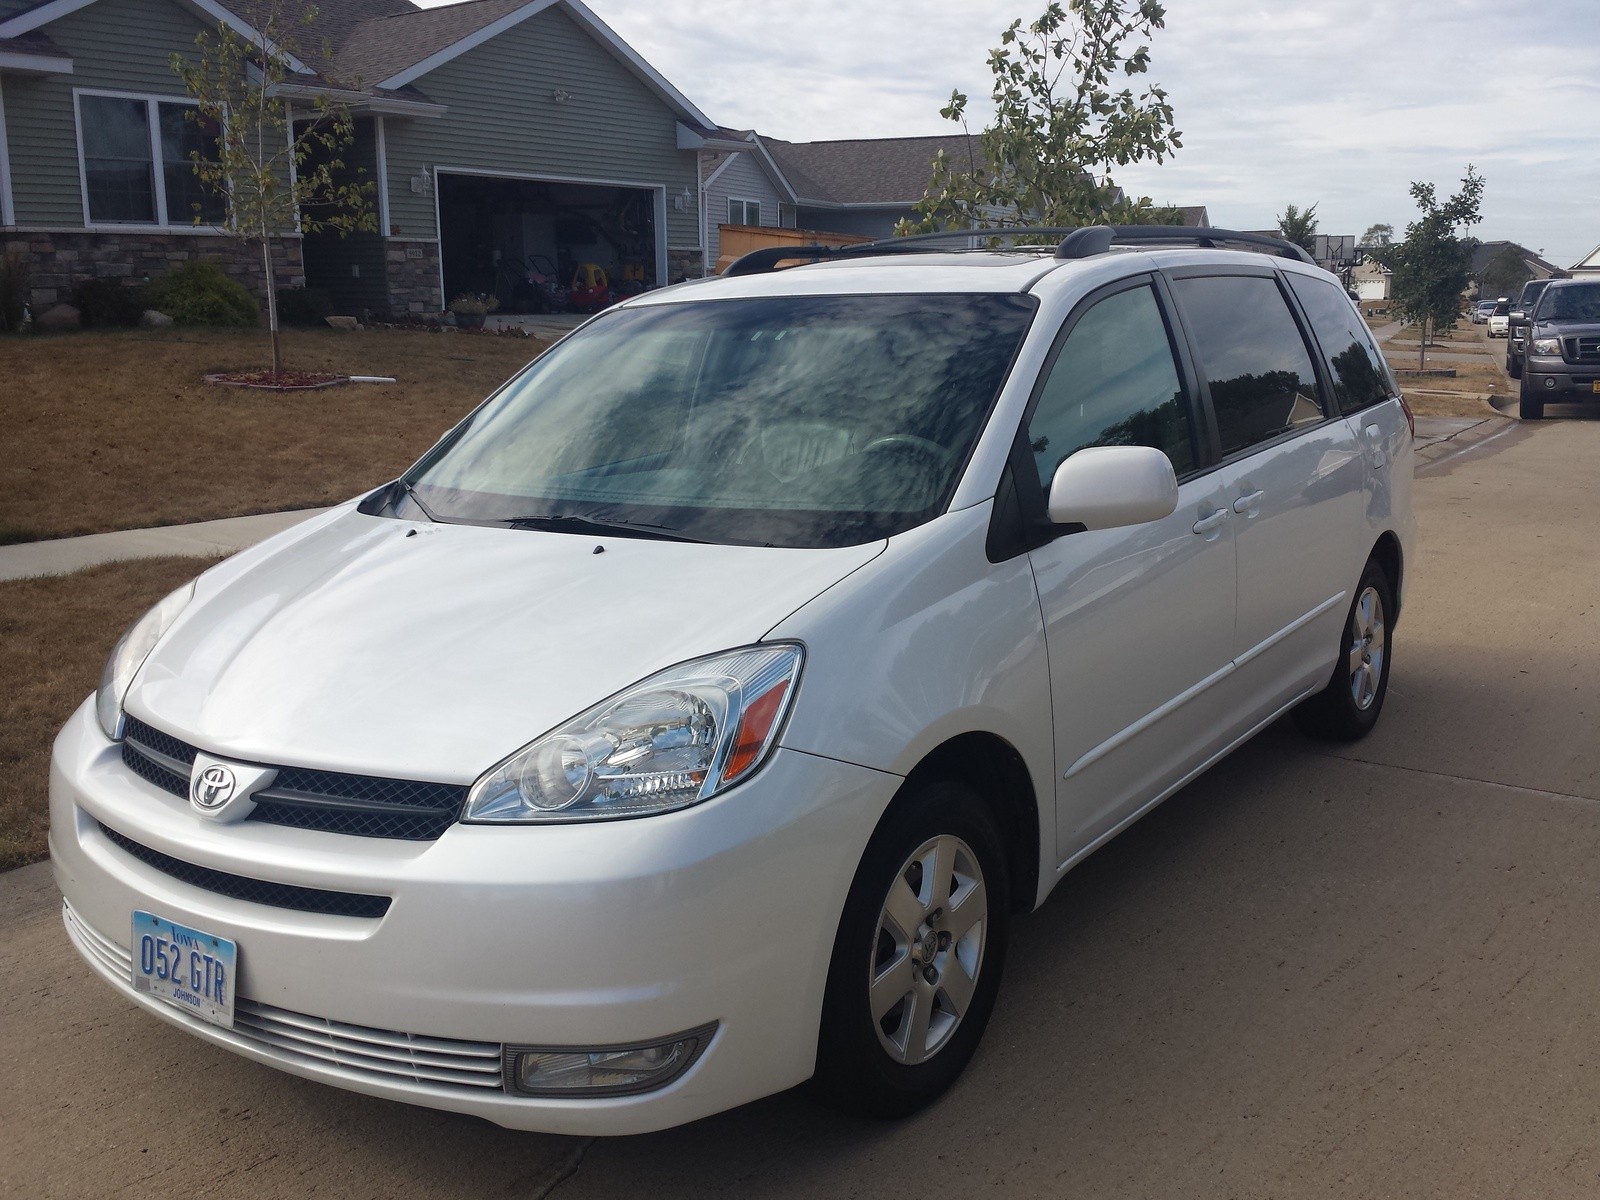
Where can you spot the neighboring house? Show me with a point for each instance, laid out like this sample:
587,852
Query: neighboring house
1589,264
1485,255
860,186
495,130
1371,280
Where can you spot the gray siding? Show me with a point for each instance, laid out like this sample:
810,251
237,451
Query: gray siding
118,45
502,117
744,179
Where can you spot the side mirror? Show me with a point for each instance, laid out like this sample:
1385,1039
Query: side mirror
1108,487
1519,316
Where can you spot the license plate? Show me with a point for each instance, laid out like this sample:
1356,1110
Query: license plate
184,967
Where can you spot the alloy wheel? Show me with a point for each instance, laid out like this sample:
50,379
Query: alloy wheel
1368,642
928,950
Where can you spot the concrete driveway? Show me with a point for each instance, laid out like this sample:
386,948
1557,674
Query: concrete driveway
1318,971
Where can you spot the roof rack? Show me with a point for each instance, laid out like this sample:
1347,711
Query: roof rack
1081,242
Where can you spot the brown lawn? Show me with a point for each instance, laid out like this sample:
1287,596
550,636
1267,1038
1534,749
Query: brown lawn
55,634
116,430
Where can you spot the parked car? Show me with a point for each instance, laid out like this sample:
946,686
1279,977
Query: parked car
1500,318
695,717
1517,327
1563,358
1481,311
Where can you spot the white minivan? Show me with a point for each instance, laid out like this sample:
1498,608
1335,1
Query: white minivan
695,717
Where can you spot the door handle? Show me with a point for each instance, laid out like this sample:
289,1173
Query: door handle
1208,525
1248,502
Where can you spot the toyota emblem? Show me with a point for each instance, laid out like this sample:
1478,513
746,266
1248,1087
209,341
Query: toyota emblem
212,788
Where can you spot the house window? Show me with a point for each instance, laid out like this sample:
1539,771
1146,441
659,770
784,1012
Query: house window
137,165
744,212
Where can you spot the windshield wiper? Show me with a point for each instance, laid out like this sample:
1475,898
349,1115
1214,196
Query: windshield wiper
405,486
566,523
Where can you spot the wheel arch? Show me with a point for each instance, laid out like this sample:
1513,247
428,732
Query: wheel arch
1386,552
993,768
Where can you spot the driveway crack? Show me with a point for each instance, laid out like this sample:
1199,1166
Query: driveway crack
566,1168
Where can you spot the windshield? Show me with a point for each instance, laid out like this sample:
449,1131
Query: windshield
795,421
1580,303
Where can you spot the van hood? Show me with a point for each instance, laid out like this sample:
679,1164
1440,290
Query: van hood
432,651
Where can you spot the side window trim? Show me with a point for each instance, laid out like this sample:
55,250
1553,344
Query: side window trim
1312,348
1024,476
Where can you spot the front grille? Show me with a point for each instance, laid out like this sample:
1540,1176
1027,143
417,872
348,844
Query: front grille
255,891
352,1051
1584,349
359,805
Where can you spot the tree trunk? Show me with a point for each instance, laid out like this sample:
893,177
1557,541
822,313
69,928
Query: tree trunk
272,305
1422,346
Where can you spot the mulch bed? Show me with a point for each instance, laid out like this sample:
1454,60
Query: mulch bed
282,381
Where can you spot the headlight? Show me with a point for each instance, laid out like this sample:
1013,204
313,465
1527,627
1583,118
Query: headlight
128,655
674,739
1547,345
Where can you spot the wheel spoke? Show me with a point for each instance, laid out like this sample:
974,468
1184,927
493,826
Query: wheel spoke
973,907
904,909
1358,657
943,866
892,985
956,985
919,1011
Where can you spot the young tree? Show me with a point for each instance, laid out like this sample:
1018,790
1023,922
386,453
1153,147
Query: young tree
1060,126
276,169
1377,236
1299,227
1433,266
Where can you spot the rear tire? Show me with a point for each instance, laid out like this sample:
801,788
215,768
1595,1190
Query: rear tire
917,960
1348,708
1530,405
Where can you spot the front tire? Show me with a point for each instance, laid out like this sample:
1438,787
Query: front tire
1530,405
916,964
1349,706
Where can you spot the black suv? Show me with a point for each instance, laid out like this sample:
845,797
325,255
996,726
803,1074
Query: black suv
1521,318
1562,363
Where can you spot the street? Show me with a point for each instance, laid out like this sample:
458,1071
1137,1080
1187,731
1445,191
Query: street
1363,971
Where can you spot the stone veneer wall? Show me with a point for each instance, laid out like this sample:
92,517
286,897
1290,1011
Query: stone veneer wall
413,272
59,260
684,264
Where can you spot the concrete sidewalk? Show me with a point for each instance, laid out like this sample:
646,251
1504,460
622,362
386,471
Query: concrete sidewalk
203,539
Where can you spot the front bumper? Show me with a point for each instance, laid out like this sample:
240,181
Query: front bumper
572,935
1553,378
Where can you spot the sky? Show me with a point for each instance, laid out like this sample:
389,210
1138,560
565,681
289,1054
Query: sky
1337,103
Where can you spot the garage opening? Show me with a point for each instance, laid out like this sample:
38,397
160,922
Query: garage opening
542,246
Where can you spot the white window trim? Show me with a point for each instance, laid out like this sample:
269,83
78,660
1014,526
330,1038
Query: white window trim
745,210
384,227
163,219
8,212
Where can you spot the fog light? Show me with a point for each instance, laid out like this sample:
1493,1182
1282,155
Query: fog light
604,1070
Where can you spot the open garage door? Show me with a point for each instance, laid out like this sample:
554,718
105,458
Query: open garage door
527,241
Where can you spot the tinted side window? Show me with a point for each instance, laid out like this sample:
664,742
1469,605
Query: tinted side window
1359,377
1251,352
1114,383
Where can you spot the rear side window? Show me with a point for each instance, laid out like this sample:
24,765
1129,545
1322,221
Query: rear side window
1114,383
1251,353
1360,379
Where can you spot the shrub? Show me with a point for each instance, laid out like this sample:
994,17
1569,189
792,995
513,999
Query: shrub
200,293
305,306
13,290
109,303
